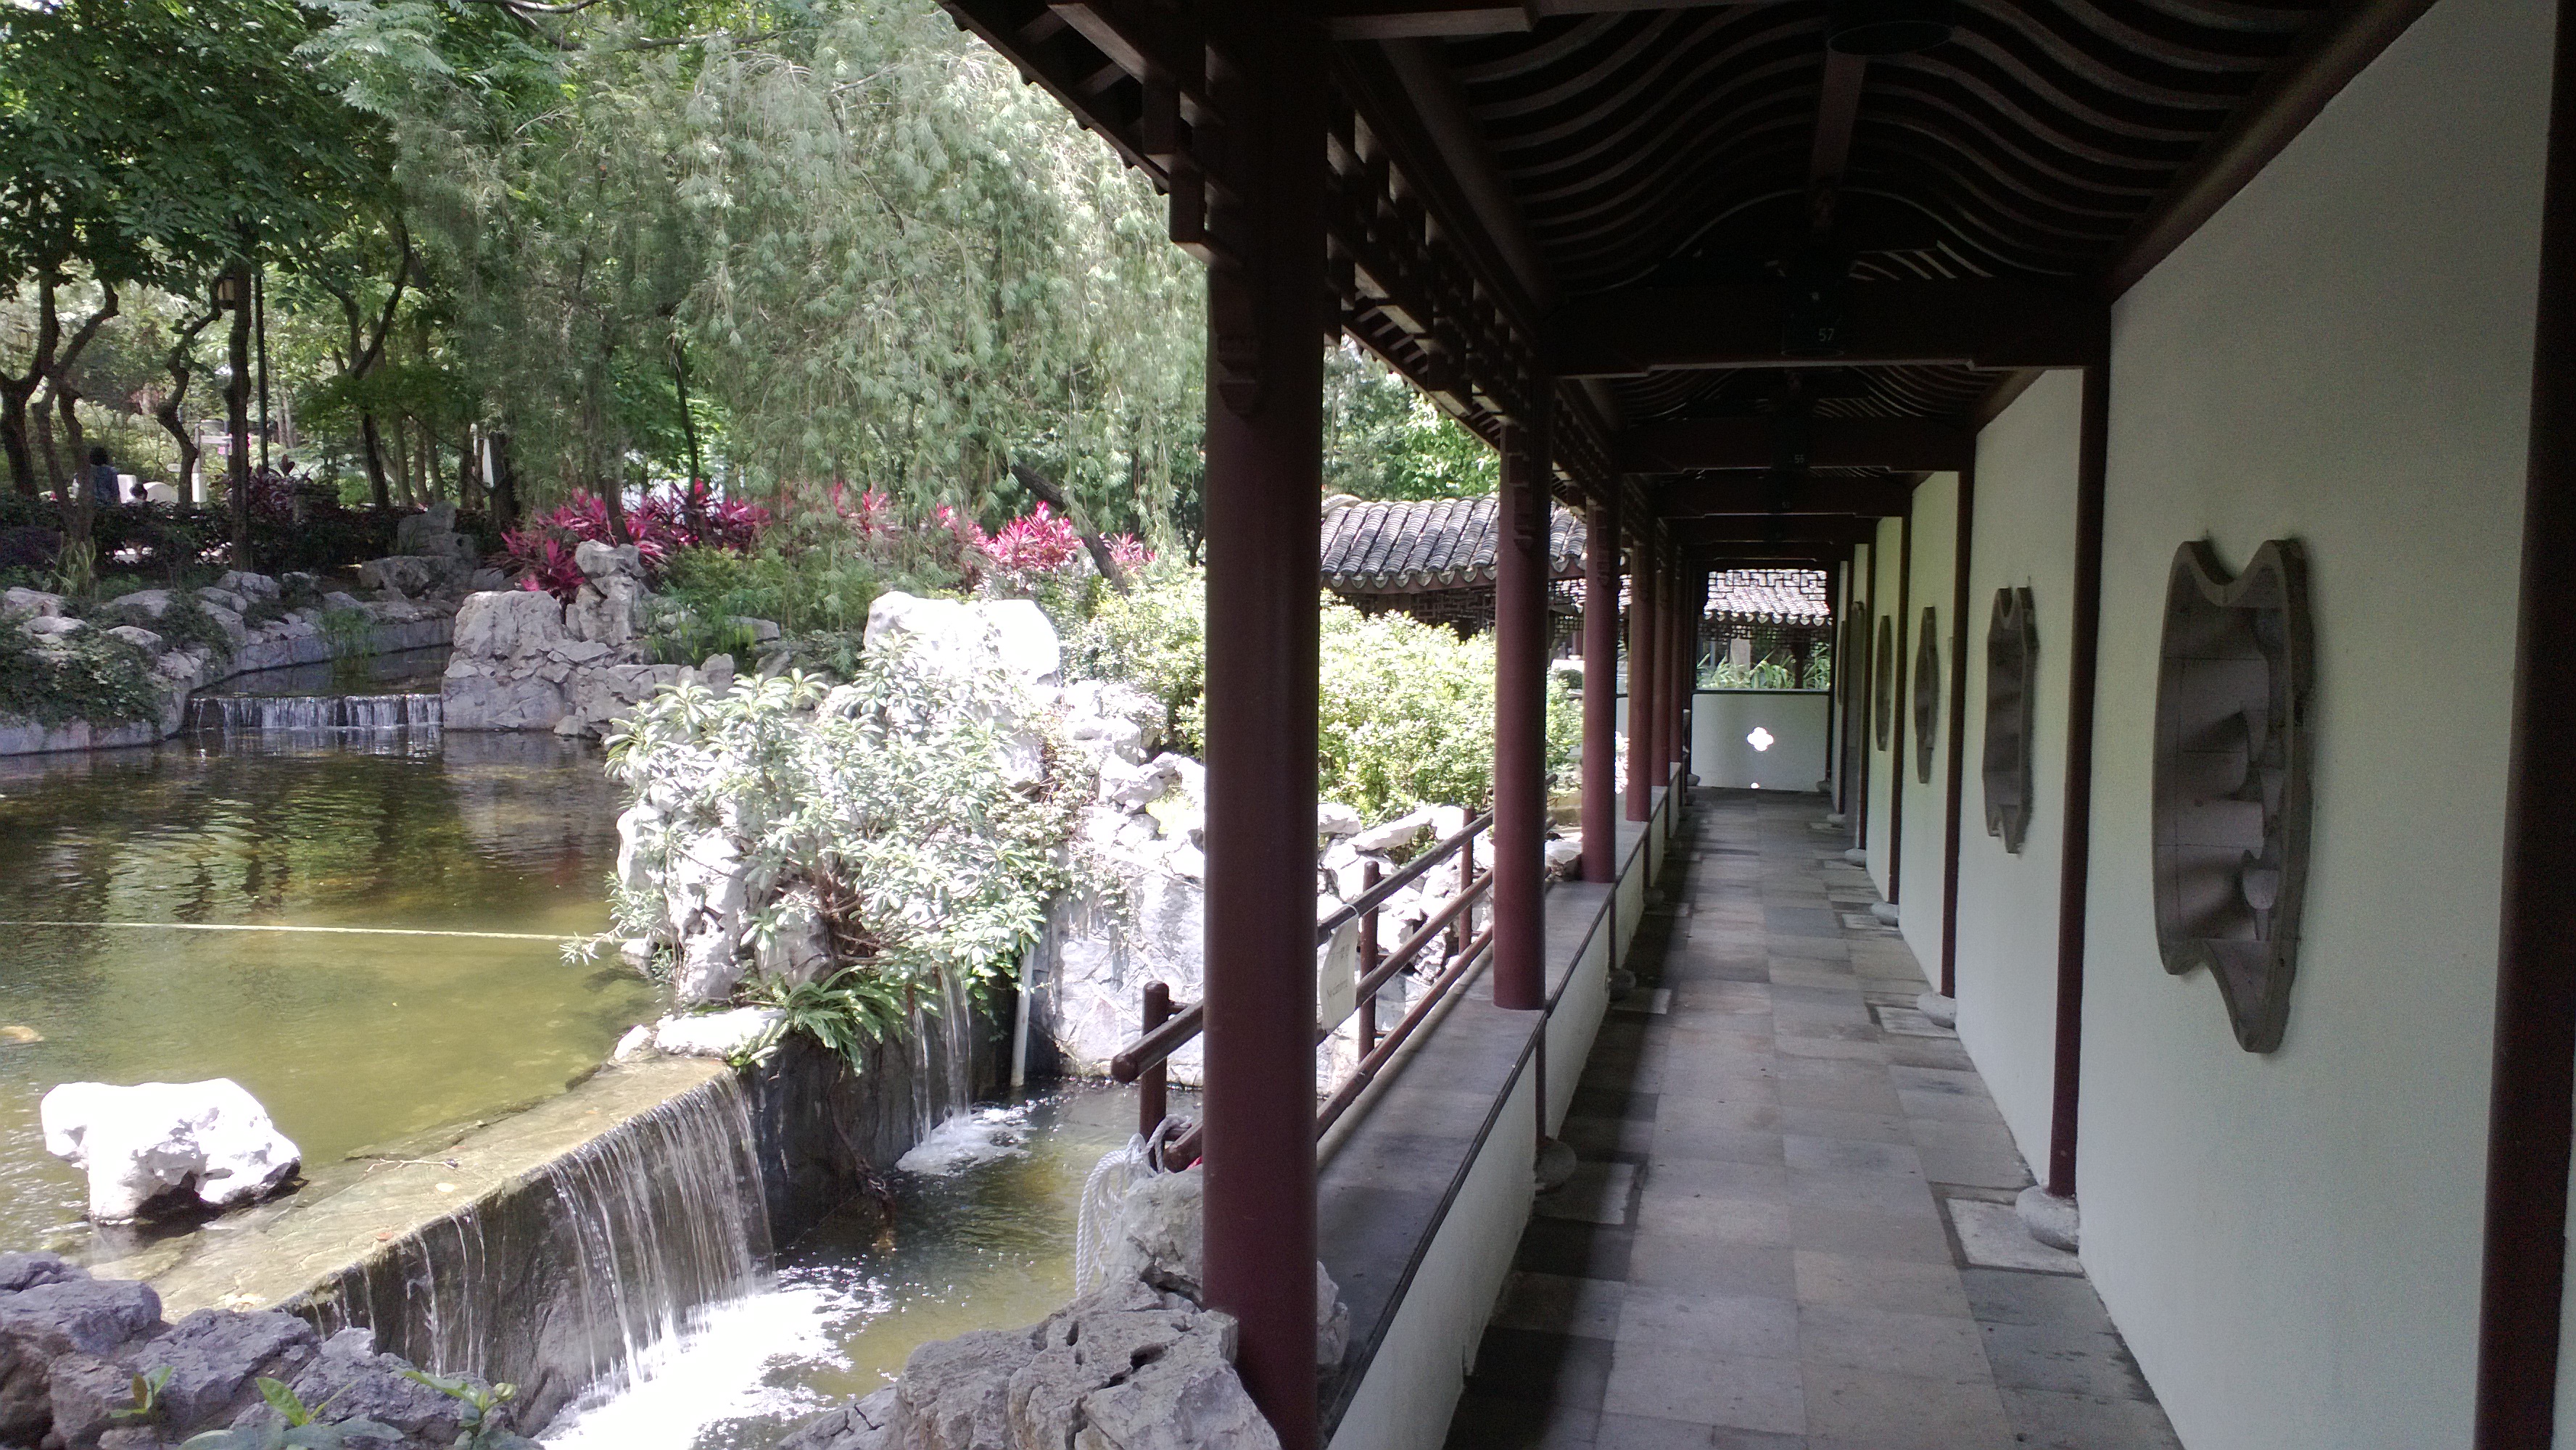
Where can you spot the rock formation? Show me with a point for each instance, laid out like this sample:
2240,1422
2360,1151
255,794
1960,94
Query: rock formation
163,1145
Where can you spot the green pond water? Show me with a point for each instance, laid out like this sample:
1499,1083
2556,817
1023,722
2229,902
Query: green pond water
351,1039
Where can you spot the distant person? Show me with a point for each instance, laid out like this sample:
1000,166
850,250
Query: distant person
102,477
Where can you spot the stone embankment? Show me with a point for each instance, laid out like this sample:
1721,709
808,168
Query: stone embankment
525,661
74,1349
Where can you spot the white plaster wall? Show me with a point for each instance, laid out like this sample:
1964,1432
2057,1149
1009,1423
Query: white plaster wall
1926,806
1885,566
2007,972
1722,753
2291,1241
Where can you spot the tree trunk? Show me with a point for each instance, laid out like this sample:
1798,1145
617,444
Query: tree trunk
237,419
505,485
371,450
17,394
13,435
1101,556
80,506
182,369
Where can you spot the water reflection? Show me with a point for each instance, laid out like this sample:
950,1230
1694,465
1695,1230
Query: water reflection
350,1040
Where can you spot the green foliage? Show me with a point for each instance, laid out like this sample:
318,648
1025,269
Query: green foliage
187,625
1384,439
296,1427
90,675
480,1432
846,1012
1770,674
1154,638
148,1386
1406,711
888,796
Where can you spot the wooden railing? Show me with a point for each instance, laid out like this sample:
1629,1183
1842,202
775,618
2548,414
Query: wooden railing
1146,1061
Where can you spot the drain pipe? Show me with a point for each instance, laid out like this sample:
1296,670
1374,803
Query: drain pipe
2529,1113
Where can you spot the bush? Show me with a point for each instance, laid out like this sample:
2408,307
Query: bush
887,797
91,675
1154,638
1407,715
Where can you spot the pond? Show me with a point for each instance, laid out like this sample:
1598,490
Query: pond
406,895
981,1237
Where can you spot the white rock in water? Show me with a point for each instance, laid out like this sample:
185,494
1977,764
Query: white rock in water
210,1141
1332,818
637,1042
1023,639
715,1034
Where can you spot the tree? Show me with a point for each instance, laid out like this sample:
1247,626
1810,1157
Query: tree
147,142
1384,439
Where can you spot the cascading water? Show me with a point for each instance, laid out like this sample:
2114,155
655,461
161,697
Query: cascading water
565,1281
252,714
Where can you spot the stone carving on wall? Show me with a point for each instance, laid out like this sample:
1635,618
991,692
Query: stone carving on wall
1927,694
2012,695
1883,659
2232,760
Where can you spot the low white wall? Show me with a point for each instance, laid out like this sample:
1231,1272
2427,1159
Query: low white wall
1792,756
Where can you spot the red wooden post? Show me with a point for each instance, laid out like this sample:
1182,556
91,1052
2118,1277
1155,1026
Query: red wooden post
1153,1100
1266,313
1520,719
1641,680
1600,687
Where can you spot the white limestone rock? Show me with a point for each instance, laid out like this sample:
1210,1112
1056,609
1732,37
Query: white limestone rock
249,585
223,598
708,891
139,637
715,1034
141,606
1105,719
31,603
1396,834
210,1142
1564,851
609,609
47,626
1334,819
1162,1243
1132,787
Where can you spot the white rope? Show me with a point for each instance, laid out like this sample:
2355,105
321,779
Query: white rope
318,930
1096,1228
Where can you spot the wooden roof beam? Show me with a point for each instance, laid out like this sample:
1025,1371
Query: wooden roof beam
1922,444
1985,324
1703,535
1405,19
1875,498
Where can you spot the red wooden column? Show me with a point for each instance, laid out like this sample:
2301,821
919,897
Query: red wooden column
1520,720
1641,679
1668,643
1600,687
1264,466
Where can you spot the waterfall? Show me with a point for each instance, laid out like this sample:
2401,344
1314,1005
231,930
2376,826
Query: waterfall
565,1280
253,714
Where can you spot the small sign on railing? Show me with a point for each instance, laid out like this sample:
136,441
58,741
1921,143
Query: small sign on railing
1337,977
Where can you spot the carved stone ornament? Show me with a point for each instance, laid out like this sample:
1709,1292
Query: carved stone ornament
1927,694
1883,689
2012,698
2232,762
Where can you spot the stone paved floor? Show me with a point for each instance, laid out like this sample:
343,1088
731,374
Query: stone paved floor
1790,1182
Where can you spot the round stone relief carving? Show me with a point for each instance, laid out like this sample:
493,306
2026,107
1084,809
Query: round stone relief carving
1884,688
2232,760
1927,695
2012,696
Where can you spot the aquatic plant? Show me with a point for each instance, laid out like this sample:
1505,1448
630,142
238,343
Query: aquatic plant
296,1428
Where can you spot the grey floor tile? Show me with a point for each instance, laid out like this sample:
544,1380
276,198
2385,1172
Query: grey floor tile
1931,1346
2050,1357
1886,1411
1875,1283
1643,1432
1700,1264
1846,1155
2045,1420
1555,1304
2003,1297
1488,1424
1672,1382
1861,1127
1750,1326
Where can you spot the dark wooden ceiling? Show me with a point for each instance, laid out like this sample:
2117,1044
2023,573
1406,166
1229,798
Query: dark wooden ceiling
1623,209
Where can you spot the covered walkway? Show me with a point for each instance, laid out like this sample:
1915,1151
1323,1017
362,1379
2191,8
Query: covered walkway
1792,1226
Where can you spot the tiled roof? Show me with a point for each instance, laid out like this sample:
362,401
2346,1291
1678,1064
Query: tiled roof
1769,596
1416,547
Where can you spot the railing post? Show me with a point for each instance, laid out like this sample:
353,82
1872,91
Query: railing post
1153,1085
1370,956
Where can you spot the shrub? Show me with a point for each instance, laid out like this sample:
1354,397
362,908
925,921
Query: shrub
660,527
1406,711
887,797
1155,638
91,675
